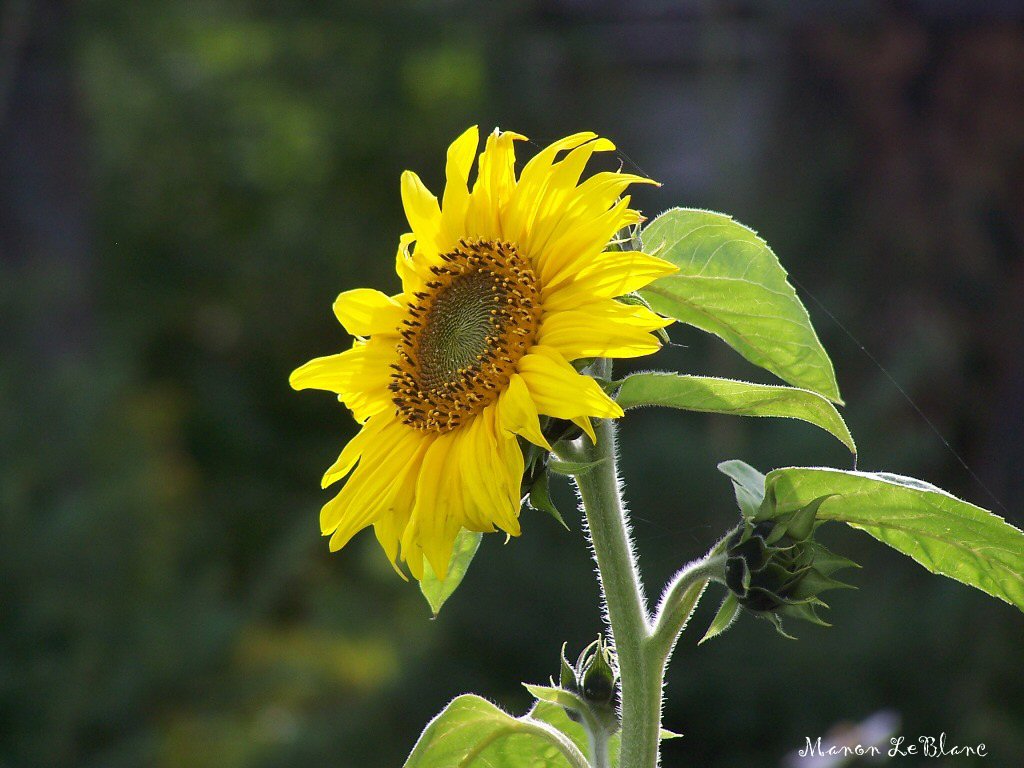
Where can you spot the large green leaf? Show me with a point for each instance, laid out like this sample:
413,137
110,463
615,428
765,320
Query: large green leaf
741,398
473,733
938,530
731,284
437,591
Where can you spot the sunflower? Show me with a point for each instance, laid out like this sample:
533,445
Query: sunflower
504,285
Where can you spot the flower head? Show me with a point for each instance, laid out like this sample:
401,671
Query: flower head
504,284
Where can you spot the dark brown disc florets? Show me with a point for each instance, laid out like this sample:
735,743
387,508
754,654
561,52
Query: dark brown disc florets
464,334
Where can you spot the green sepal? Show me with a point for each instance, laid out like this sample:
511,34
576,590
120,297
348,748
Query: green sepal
569,700
777,623
636,300
437,591
566,674
748,484
539,498
815,582
572,468
724,619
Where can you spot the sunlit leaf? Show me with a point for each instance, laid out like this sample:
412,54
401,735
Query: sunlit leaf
437,591
941,532
731,284
473,733
739,398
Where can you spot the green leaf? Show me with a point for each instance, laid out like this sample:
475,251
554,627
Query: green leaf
473,733
731,284
748,484
555,716
726,615
739,398
941,532
437,591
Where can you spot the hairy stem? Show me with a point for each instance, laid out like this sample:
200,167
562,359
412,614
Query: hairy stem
599,757
641,675
680,600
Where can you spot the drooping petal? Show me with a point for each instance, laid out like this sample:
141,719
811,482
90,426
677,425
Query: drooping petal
354,449
485,482
559,391
370,489
583,422
434,522
517,413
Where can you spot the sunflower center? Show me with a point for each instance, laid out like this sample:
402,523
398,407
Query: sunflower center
465,334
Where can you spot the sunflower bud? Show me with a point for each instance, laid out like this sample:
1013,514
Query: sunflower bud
593,680
597,674
775,568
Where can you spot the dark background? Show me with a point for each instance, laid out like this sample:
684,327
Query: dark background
185,187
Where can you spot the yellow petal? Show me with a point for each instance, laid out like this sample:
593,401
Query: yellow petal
430,522
421,209
574,248
411,273
583,422
559,391
373,485
353,450
364,311
512,458
610,274
495,183
558,190
532,181
601,191
483,475
603,328
363,366
455,201
517,413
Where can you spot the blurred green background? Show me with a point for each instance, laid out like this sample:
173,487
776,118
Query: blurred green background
185,187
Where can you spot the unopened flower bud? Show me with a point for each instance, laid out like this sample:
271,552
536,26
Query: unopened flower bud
775,567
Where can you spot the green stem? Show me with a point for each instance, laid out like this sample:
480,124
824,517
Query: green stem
598,739
641,675
680,600
643,646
